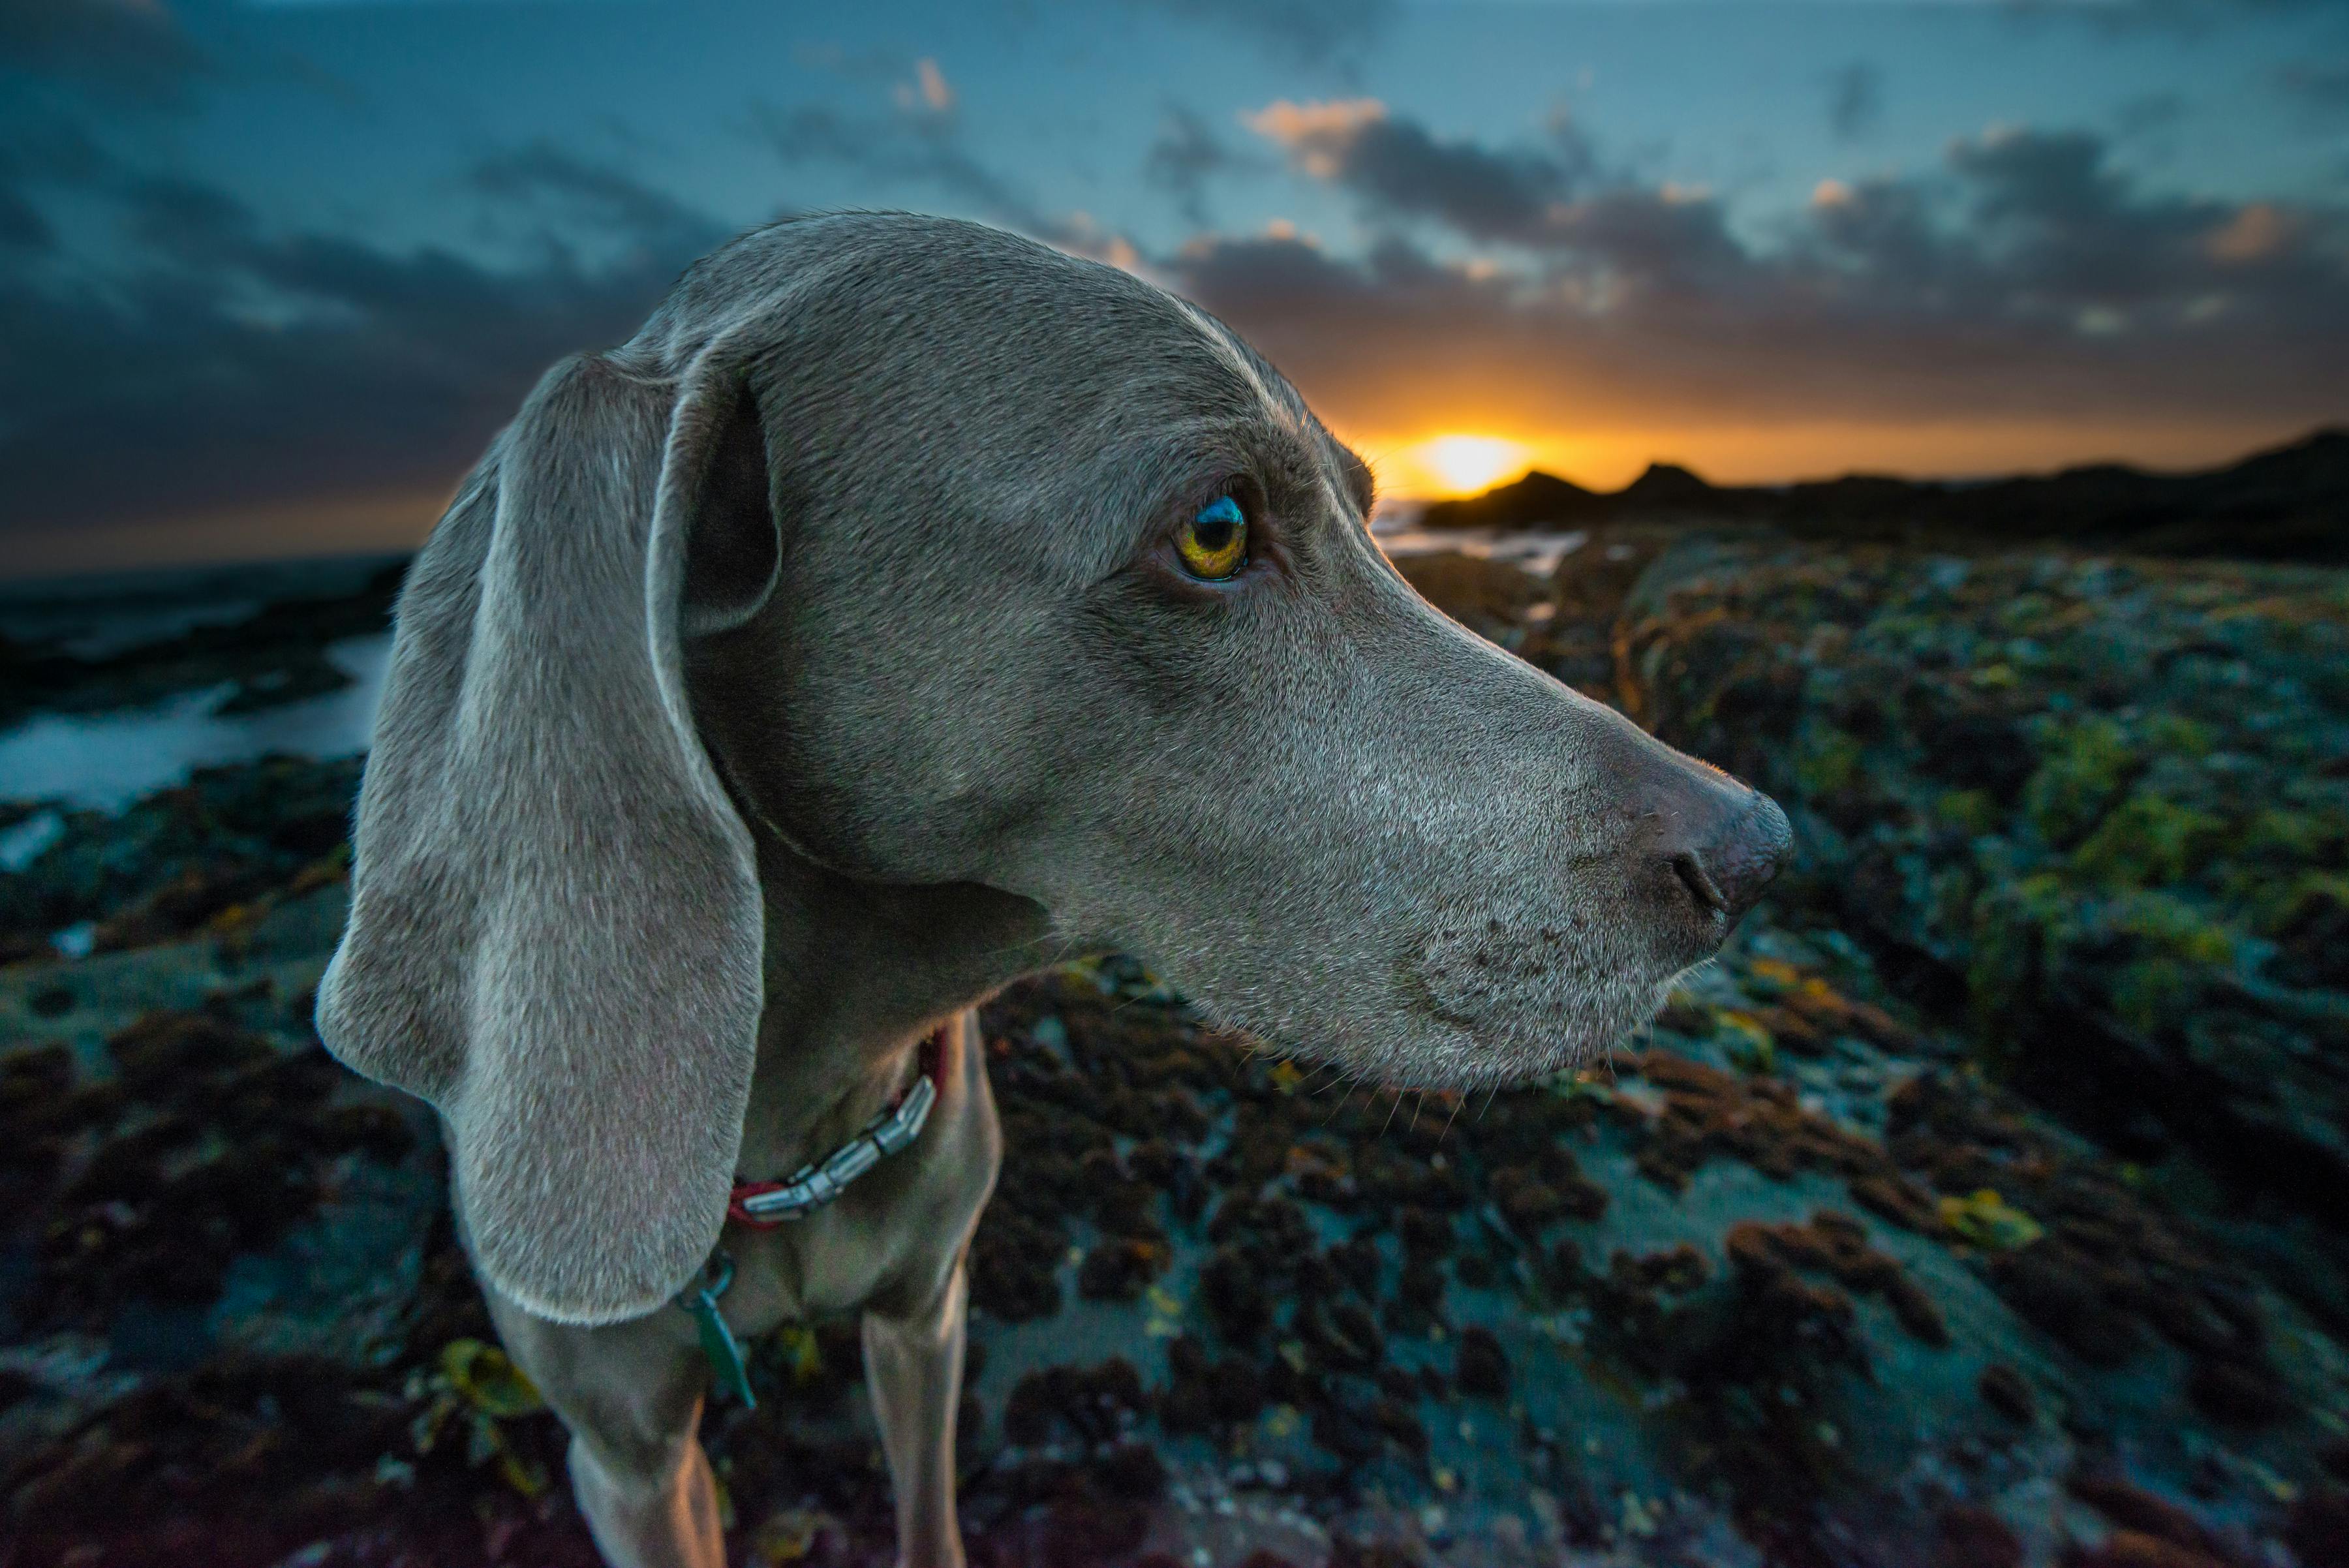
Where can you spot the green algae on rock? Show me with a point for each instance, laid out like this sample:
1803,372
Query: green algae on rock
2110,798
1733,1295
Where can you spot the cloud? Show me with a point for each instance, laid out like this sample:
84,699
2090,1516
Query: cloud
1184,156
1332,33
2320,84
2027,276
22,225
923,151
928,89
2149,114
46,152
1855,101
920,144
228,364
916,84
882,65
27,162
2058,230
120,47
1398,171
1313,130
595,197
2189,15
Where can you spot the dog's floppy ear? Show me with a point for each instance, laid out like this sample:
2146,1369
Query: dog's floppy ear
555,923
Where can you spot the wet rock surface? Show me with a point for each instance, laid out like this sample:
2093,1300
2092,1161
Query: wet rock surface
2098,807
1963,1213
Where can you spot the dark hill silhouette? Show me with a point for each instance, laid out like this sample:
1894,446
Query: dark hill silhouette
2288,503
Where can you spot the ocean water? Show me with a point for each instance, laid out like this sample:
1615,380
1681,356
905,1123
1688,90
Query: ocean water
1538,551
106,761
100,614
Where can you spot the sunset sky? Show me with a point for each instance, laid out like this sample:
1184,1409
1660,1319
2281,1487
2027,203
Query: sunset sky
271,274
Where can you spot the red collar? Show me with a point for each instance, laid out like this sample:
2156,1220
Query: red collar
763,1205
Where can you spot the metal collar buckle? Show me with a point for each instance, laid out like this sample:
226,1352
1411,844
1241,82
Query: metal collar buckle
765,1204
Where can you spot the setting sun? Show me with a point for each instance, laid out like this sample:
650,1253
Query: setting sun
1462,464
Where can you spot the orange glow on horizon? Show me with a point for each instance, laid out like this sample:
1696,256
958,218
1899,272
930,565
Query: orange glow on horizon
1412,465
1455,464
1415,466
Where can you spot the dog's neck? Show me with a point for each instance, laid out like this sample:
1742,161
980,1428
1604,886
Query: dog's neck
855,972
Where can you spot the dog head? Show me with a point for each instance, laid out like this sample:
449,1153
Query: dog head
966,561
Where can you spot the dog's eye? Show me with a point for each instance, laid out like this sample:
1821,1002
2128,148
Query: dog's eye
1213,545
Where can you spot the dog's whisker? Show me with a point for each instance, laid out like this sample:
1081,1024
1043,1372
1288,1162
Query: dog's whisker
1449,1120
1345,1098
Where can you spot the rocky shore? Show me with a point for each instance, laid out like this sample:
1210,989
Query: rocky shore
1986,1204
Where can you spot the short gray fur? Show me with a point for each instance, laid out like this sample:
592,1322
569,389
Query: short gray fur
791,676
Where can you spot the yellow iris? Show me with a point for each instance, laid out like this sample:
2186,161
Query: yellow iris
1213,545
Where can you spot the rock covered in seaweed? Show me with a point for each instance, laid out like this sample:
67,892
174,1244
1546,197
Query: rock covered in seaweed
1808,1275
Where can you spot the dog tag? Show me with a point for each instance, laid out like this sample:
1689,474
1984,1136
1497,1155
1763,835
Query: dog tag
717,1342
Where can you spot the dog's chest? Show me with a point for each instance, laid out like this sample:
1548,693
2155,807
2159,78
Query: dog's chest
890,1238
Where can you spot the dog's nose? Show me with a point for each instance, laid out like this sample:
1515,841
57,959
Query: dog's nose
1707,844
1725,848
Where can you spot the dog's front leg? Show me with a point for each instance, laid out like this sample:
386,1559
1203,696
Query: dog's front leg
630,1395
913,1364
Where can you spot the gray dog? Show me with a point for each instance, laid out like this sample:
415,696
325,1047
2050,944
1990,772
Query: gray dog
906,608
